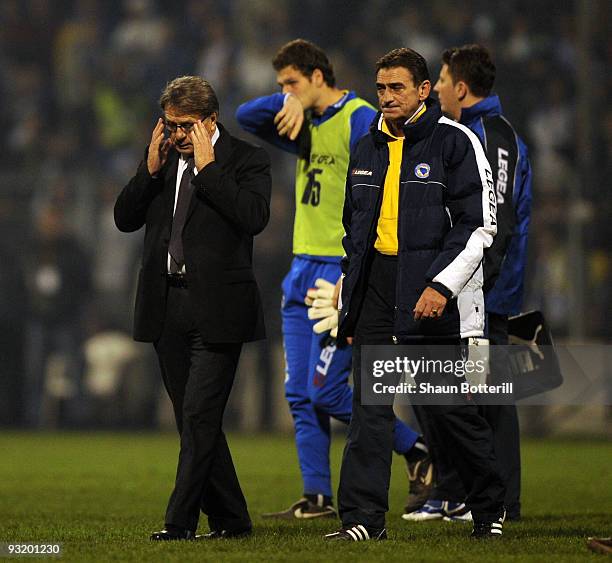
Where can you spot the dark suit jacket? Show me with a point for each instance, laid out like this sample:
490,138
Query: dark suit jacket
230,204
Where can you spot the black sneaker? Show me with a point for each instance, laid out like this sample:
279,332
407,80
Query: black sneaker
488,529
420,477
356,533
173,534
305,509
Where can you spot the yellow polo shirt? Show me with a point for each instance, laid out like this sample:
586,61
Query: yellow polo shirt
386,230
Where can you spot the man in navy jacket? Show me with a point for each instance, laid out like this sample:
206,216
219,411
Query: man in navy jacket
464,90
420,209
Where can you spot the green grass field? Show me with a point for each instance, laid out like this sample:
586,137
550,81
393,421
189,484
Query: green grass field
101,495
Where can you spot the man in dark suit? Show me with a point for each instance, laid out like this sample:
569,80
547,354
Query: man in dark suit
202,195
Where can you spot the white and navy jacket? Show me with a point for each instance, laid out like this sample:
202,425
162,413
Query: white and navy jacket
505,260
447,217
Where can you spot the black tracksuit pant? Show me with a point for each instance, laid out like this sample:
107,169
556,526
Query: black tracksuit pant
459,429
503,420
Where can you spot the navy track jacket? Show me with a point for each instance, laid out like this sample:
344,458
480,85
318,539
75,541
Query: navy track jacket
447,217
506,259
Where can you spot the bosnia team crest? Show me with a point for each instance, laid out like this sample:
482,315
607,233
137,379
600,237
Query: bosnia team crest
422,170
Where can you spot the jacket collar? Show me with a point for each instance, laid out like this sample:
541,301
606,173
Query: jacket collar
487,107
413,132
223,146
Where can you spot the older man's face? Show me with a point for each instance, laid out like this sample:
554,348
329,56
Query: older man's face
398,96
179,125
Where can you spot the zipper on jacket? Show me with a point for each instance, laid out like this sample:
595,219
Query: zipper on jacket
369,241
397,275
395,309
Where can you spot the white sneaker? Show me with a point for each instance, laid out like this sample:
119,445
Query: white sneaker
431,510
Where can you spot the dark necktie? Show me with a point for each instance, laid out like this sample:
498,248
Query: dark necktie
178,222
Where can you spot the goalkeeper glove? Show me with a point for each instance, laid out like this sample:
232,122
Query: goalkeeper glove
321,302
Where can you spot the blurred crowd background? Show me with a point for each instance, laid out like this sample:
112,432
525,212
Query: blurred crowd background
79,84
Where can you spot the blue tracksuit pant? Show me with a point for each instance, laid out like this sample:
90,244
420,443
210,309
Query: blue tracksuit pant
316,384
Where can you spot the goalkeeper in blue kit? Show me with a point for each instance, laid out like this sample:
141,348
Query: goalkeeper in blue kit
320,123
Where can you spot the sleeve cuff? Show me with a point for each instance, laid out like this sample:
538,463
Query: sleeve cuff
441,288
143,172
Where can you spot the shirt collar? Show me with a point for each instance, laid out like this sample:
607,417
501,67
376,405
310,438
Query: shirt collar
333,109
489,106
215,136
418,113
342,100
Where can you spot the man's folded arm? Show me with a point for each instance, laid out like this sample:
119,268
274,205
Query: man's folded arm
257,117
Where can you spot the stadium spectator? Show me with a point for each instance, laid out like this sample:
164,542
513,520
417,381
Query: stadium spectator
12,318
58,282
